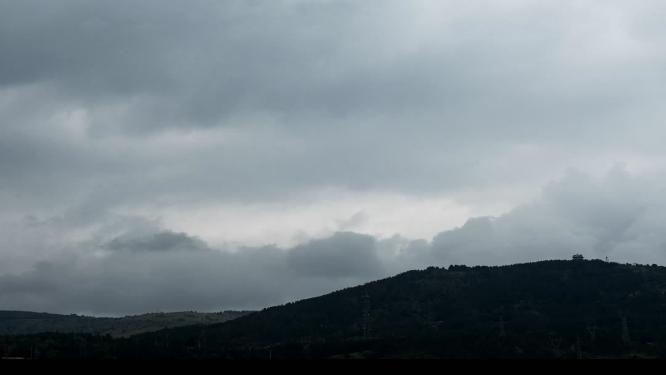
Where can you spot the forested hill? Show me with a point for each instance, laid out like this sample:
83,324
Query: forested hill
549,309
24,322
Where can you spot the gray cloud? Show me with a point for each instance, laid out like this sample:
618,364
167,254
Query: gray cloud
146,276
616,216
161,241
113,110
619,215
296,96
345,254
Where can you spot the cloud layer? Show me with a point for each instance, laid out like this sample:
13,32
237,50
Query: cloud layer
620,216
205,154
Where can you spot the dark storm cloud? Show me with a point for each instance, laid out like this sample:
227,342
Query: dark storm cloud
189,63
98,47
144,277
178,63
161,241
344,254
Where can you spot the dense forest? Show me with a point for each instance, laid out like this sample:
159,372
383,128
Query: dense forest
549,309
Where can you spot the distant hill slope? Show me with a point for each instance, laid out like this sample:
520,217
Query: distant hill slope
542,309
549,309
23,322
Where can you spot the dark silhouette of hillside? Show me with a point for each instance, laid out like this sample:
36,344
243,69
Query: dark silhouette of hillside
25,322
549,309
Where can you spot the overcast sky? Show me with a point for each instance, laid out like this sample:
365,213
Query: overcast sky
162,155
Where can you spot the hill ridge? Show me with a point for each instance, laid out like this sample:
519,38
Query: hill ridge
542,309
